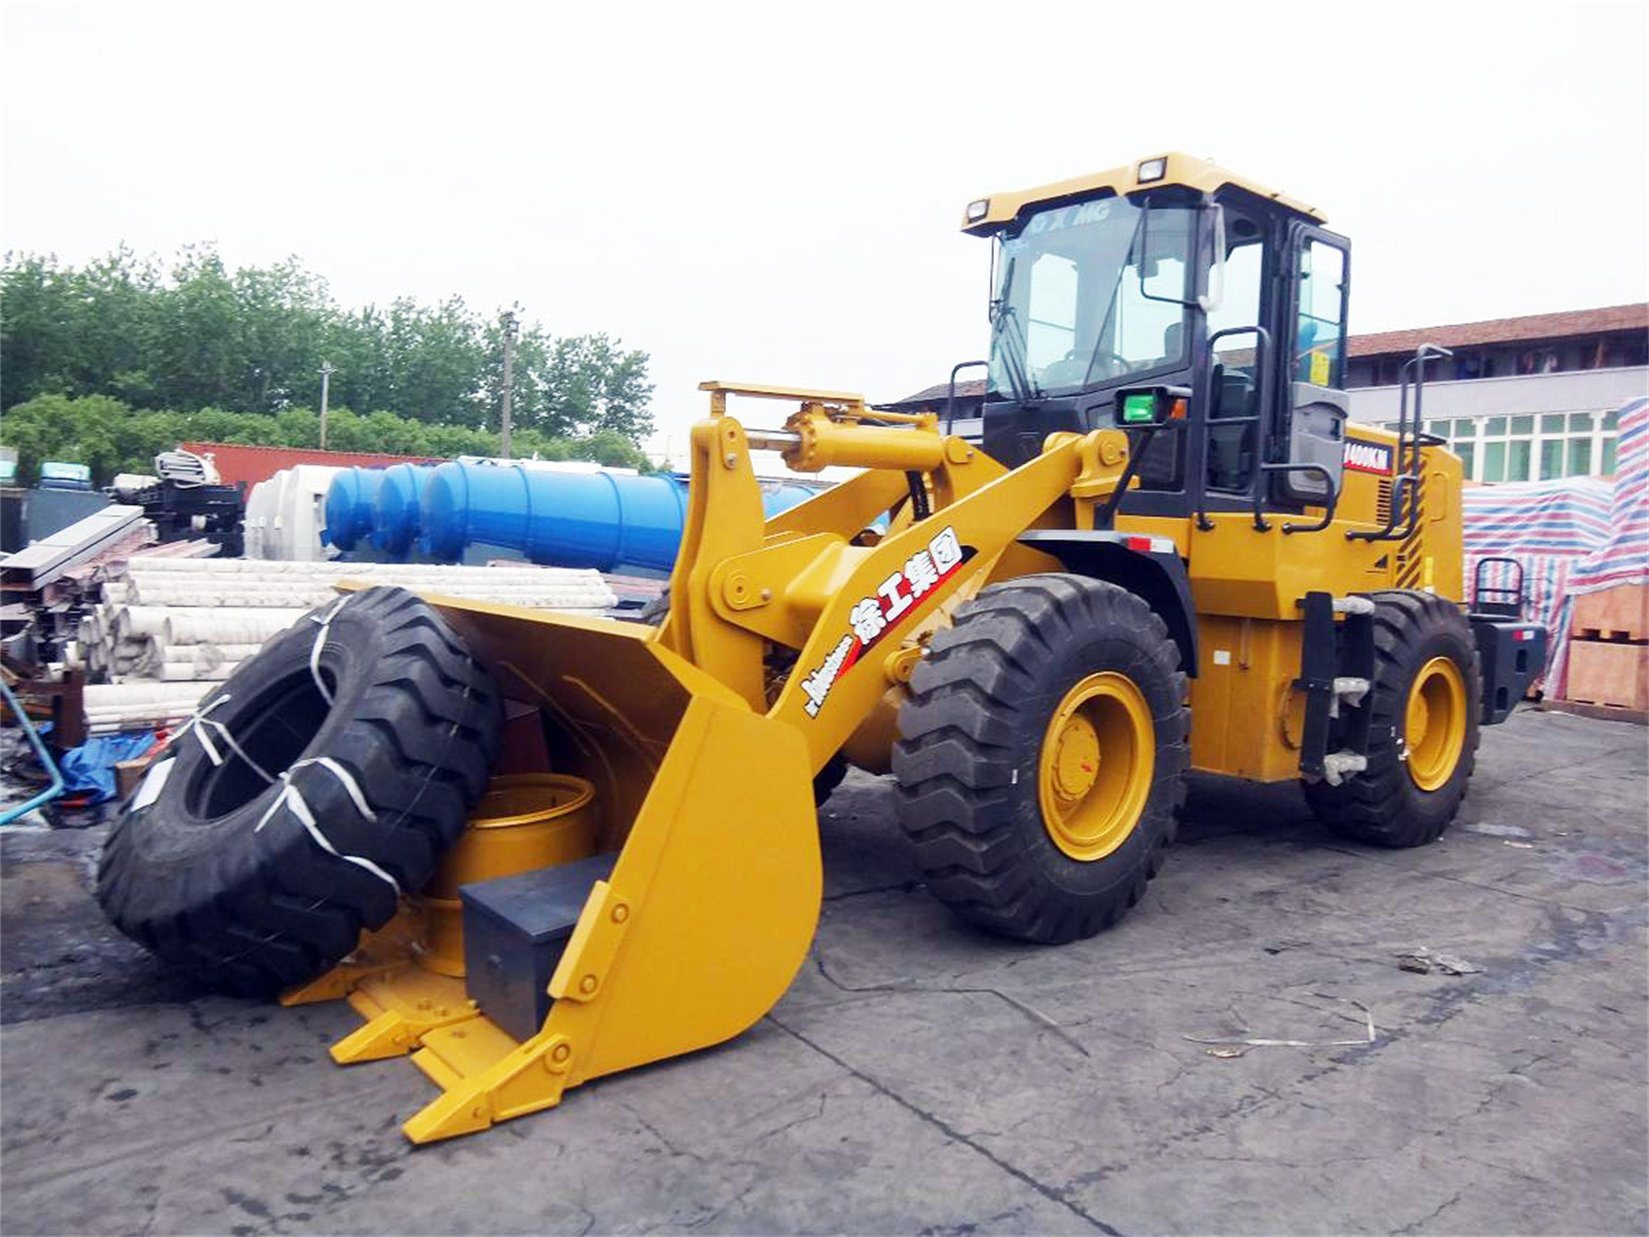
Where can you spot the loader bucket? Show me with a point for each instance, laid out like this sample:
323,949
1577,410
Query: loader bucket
711,905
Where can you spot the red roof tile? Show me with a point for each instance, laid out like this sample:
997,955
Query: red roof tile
1506,330
968,388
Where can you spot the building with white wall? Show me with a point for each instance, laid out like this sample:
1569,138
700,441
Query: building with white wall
1522,399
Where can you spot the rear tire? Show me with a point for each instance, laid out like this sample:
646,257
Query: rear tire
973,781
213,875
1409,795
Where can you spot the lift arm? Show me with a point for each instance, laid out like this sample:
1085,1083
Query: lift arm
806,581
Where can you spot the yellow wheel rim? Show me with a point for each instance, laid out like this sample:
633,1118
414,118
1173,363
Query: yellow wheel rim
1094,773
1434,724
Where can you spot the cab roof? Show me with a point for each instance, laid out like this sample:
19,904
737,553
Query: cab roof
1178,169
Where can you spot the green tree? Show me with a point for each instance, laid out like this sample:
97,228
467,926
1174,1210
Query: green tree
199,335
590,384
112,437
37,328
283,323
94,430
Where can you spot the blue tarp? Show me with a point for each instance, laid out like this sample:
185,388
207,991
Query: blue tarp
91,766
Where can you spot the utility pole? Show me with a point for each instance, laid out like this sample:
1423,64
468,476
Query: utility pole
511,331
326,385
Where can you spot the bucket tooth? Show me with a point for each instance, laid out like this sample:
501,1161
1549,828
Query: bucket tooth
400,1008
529,1077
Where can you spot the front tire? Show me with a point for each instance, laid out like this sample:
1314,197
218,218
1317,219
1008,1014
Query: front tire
1423,731
1042,756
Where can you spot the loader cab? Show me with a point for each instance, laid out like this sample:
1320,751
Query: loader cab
1172,275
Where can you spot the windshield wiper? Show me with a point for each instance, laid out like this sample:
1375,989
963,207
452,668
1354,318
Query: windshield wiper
1024,386
1014,344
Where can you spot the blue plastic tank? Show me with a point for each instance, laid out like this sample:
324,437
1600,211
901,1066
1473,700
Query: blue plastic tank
396,514
350,500
603,520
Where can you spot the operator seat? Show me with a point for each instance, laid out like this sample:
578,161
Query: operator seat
1231,447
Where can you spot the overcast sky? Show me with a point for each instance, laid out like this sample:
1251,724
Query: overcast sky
771,193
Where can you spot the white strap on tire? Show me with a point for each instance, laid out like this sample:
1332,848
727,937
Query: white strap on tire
320,643
289,796
195,723
293,801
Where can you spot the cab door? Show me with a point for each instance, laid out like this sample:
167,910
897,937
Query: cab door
1314,405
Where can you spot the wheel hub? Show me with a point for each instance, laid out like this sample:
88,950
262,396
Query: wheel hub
1076,762
1434,723
1098,758
1419,717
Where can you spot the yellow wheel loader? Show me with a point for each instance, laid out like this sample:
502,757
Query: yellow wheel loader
1161,546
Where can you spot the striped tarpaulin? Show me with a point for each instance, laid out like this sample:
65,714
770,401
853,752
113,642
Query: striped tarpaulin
1573,535
1623,557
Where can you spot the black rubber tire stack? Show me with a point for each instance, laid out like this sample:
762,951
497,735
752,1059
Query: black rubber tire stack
1382,805
242,895
968,756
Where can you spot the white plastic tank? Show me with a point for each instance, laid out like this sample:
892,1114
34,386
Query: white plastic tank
284,515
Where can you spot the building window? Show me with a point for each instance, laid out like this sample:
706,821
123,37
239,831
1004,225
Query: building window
1530,448
1494,461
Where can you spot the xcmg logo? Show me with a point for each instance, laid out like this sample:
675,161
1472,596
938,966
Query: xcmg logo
1368,457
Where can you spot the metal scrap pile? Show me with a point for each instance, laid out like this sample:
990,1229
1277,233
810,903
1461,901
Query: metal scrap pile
47,588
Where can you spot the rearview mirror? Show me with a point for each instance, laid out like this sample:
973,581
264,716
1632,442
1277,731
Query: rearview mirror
1210,300
1149,263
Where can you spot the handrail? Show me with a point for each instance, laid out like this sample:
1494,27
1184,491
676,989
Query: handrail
1406,459
950,397
1262,354
1289,526
1515,591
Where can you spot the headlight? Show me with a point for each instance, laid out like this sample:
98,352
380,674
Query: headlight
1152,169
978,210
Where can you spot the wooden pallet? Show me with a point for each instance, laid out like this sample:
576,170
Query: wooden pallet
1612,614
1598,712
1609,674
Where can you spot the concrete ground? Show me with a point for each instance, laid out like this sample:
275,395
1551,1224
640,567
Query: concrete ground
920,1077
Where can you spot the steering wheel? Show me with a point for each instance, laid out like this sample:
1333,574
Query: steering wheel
1114,363
1072,370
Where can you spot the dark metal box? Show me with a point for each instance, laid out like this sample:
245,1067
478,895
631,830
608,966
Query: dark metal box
515,930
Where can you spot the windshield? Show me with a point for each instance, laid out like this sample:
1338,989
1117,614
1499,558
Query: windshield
1071,310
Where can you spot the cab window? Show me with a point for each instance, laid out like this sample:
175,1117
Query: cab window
1233,425
1089,294
1050,329
1319,357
